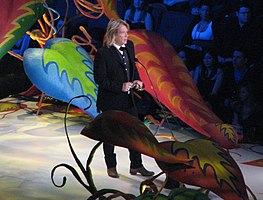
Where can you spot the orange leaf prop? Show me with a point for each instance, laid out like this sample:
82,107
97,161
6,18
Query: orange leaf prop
167,78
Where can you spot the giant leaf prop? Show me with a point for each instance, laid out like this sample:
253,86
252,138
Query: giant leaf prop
122,129
63,70
167,79
212,168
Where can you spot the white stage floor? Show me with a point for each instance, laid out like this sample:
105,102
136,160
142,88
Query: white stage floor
31,146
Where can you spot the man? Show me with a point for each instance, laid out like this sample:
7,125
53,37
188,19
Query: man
116,75
240,71
243,31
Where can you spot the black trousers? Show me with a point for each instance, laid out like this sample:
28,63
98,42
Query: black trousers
110,156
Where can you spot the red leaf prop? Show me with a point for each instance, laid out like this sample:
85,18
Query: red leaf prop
167,78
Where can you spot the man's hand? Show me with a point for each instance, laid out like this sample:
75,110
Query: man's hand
127,86
138,85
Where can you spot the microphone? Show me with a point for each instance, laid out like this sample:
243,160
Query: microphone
156,95
137,60
157,98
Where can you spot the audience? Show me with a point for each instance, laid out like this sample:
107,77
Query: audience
241,31
208,78
248,115
202,36
185,56
240,71
138,17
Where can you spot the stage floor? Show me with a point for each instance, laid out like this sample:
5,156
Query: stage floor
31,146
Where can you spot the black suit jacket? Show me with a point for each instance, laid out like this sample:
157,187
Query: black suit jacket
110,74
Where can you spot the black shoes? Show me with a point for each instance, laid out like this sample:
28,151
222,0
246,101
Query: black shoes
142,171
112,172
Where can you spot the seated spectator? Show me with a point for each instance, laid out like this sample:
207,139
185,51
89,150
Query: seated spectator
248,115
138,17
184,55
201,36
208,78
241,31
240,71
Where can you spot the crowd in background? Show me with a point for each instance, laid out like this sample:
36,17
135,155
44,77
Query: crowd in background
222,48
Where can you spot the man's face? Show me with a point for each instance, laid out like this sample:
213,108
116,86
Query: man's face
208,60
121,36
238,59
243,15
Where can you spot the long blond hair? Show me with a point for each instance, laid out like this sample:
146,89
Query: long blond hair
112,29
